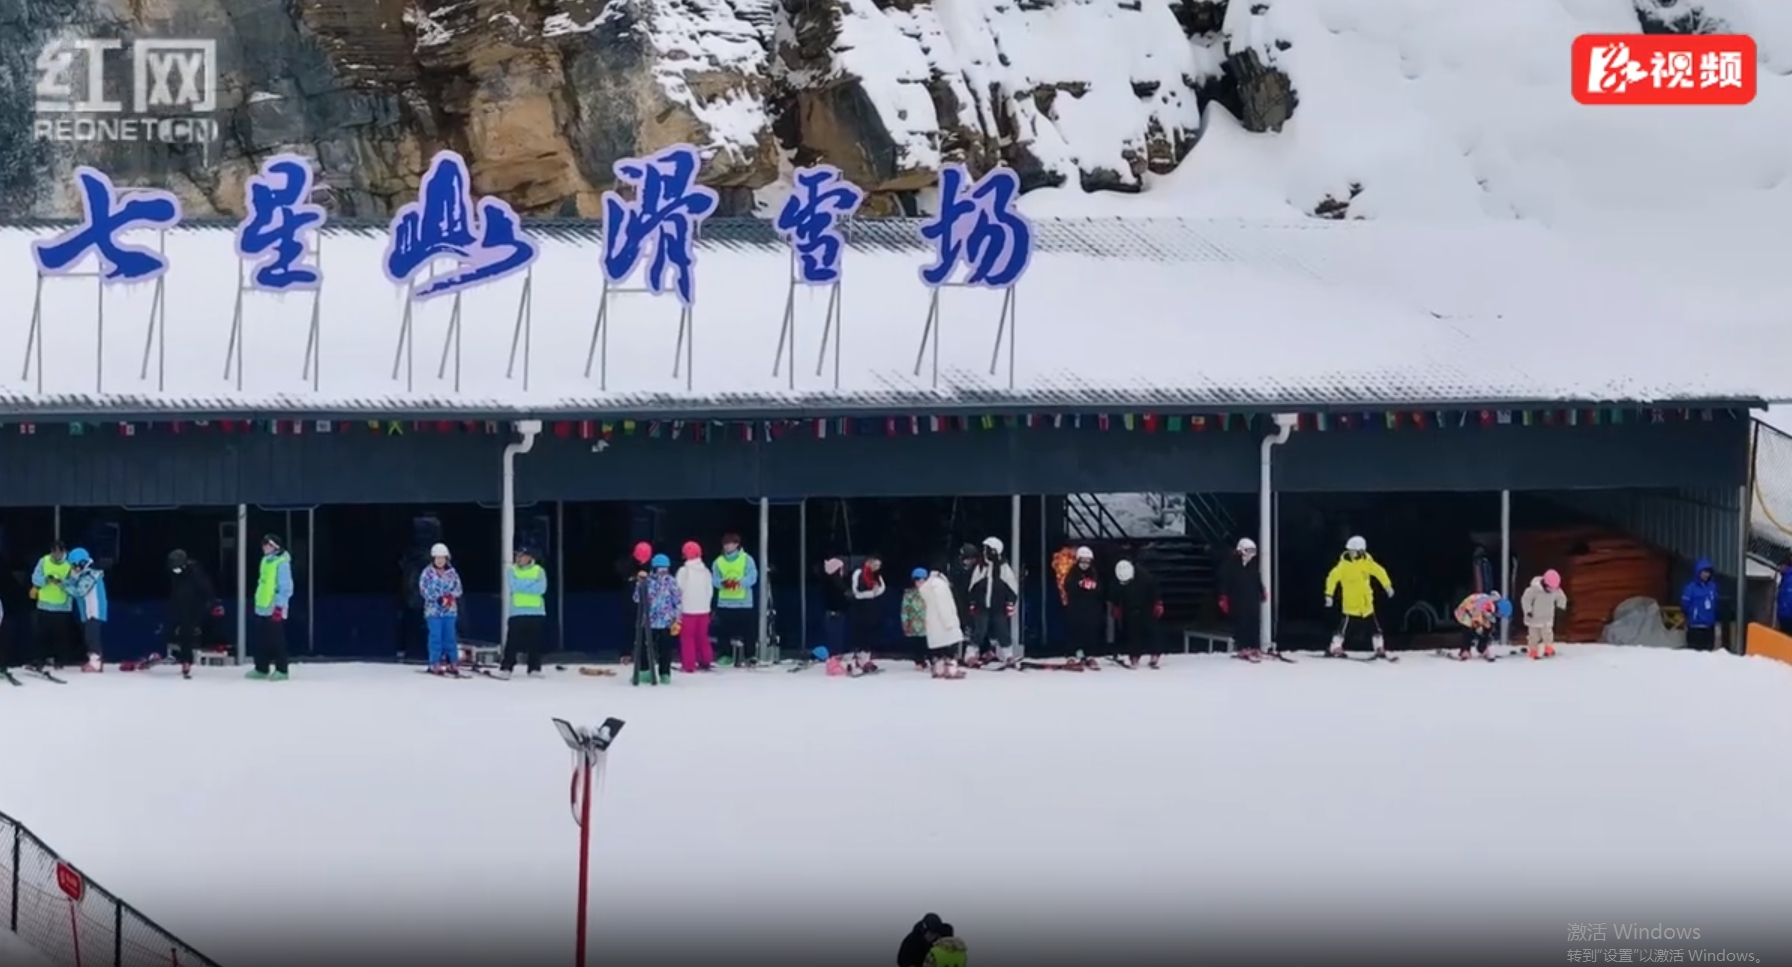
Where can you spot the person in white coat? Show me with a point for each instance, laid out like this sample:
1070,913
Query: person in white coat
1541,601
939,616
696,593
995,597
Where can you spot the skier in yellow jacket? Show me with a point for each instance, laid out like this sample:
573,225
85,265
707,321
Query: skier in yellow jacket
1352,580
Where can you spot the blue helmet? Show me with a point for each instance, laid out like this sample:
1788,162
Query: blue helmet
661,560
918,574
80,556
1503,608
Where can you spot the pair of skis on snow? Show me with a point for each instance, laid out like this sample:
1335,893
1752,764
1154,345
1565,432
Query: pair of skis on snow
47,676
1263,656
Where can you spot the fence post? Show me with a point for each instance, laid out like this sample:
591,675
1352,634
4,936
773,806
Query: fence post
17,835
117,932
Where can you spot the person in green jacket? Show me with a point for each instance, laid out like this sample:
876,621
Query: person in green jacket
273,591
54,630
526,634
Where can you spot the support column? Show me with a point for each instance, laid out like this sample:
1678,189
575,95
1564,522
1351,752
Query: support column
765,579
1045,574
559,553
56,522
242,583
1020,611
310,579
1506,563
1739,642
802,574
528,430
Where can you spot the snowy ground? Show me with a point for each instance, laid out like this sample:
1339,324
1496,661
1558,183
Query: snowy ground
368,808
16,953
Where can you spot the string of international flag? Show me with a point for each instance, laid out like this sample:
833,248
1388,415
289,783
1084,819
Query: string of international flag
702,431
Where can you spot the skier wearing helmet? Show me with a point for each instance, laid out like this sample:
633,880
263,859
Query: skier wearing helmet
1480,615
696,593
1241,599
440,587
87,589
995,595
1541,601
1352,584
659,598
1085,607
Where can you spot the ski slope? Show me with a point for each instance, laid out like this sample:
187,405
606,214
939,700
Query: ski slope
363,808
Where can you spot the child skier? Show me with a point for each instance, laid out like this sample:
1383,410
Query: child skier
86,586
191,600
441,590
866,614
995,594
939,619
914,617
1138,612
658,593
1541,601
696,592
1479,615
1353,579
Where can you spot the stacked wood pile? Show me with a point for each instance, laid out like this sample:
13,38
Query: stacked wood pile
1600,569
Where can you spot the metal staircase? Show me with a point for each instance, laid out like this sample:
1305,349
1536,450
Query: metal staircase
1183,566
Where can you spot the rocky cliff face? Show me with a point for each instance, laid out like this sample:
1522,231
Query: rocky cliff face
543,96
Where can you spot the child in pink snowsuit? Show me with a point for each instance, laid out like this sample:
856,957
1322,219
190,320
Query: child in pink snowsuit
696,591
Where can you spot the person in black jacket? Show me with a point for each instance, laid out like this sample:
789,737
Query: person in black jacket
1085,606
995,598
1138,611
192,603
866,616
836,591
913,952
1241,599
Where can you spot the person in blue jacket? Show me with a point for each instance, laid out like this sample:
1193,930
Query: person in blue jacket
1698,602
1782,599
86,586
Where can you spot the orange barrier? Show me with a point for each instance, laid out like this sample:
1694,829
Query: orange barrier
1768,643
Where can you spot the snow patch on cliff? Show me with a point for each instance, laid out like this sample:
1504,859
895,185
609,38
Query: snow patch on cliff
895,54
709,58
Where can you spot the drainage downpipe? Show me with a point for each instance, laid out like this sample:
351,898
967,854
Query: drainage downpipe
1285,424
528,430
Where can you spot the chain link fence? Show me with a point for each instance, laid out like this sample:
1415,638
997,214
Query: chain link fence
71,920
1770,511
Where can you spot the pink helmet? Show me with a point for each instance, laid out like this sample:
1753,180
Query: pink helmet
692,550
1552,580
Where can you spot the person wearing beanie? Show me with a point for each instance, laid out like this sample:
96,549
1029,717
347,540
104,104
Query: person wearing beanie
441,590
273,591
836,591
920,939
192,601
526,631
696,593
948,948
734,575
658,596
867,613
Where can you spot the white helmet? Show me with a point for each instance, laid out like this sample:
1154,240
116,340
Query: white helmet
1356,544
993,543
1123,572
1084,554
439,550
1246,544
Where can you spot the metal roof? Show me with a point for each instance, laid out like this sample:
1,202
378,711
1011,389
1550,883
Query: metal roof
1114,314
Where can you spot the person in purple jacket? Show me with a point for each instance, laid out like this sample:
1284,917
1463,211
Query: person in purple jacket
440,587
664,604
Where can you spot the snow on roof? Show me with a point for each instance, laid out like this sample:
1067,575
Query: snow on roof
1114,314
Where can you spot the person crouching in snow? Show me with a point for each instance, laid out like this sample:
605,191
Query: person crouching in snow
1241,599
939,622
1541,600
696,592
1479,615
1353,579
995,593
1137,610
87,589
440,587
1698,601
866,614
659,595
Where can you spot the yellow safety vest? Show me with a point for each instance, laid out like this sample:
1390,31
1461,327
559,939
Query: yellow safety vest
268,579
54,593
519,599
735,570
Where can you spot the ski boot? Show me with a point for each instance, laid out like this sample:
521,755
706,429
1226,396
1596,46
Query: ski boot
278,676
1462,654
1153,663
1336,649
186,672
256,675
93,665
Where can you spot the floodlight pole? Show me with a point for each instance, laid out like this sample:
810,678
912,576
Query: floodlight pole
591,746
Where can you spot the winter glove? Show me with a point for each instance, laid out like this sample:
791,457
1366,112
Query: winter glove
731,585
1114,610
447,600
1225,605
1157,609
1328,600
217,611
278,614
677,626
1009,610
